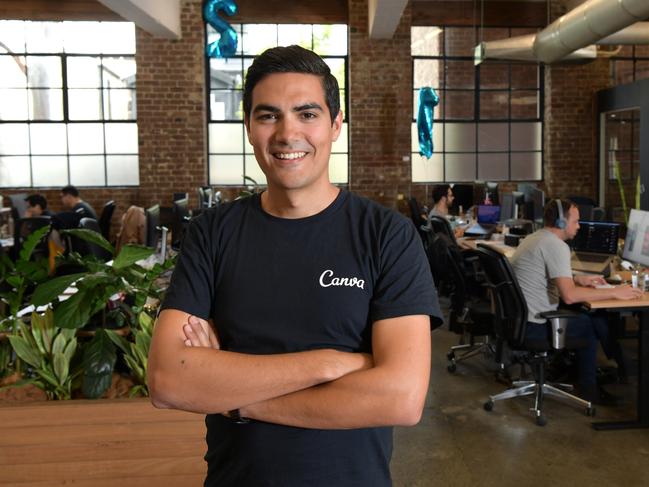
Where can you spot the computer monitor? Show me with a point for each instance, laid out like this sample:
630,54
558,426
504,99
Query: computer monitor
597,237
538,204
489,214
636,243
180,219
18,202
507,207
152,223
463,195
491,193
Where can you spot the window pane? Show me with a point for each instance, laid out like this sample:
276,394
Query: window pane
247,148
50,170
427,170
226,105
44,71
494,33
44,37
45,104
526,136
117,37
525,104
122,171
340,145
214,36
460,167
258,37
426,41
14,171
493,137
86,138
460,137
641,70
121,138
226,73
13,75
338,168
494,105
13,104
330,40
641,51
494,75
12,35
14,139
253,171
119,105
438,137
526,166
84,104
460,74
459,105
337,66
525,76
289,34
460,41
428,72
493,166
87,171
48,138
118,72
84,72
226,169
226,138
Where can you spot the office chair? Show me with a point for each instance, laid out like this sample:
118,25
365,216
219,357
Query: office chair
23,228
510,323
85,248
439,224
105,219
180,219
416,215
204,197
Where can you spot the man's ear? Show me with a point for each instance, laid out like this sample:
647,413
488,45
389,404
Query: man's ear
337,126
246,123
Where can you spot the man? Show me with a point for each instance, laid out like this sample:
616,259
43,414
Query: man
542,266
74,208
442,202
36,206
321,300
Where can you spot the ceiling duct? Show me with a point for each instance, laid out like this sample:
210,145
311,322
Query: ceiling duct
519,48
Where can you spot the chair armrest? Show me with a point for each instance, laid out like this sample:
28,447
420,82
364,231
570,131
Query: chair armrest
560,313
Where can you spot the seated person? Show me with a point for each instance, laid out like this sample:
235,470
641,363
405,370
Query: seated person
442,202
37,206
74,208
542,265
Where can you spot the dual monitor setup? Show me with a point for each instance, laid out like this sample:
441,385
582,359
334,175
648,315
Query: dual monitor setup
156,232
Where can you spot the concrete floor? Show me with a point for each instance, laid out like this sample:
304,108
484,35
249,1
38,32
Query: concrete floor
457,443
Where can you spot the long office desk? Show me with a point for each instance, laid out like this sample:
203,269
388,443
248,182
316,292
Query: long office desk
641,305
499,245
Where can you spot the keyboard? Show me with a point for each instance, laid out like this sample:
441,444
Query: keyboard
592,257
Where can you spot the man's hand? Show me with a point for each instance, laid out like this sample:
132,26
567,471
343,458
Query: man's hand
627,292
589,280
200,333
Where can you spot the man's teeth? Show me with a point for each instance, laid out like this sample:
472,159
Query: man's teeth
290,155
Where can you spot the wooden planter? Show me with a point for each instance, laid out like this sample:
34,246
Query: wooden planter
100,443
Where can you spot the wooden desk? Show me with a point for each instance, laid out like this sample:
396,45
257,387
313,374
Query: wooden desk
498,245
641,305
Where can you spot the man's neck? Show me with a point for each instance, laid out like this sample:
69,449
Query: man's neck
561,235
441,208
298,204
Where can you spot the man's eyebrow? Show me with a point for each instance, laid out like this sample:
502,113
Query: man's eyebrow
308,106
265,108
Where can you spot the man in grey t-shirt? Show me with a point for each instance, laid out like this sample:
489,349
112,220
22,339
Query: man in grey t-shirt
542,267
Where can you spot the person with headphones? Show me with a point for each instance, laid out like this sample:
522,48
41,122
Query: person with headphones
542,266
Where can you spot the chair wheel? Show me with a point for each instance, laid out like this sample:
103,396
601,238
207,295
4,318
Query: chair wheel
540,420
488,406
450,356
590,411
451,368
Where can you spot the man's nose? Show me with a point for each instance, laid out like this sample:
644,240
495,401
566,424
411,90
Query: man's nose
287,129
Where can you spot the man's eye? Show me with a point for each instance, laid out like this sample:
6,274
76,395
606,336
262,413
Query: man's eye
268,116
308,115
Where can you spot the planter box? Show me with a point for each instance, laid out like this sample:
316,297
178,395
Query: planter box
102,443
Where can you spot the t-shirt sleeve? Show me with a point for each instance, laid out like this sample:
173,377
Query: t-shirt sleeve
191,288
405,285
557,260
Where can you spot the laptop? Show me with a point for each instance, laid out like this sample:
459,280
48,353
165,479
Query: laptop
488,217
594,246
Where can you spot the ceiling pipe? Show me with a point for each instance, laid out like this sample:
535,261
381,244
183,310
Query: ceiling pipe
519,48
637,33
587,24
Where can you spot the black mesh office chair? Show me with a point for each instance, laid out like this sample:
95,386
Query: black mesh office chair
105,219
23,228
439,224
510,310
85,248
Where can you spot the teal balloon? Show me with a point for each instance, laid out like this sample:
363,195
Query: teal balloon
428,100
226,45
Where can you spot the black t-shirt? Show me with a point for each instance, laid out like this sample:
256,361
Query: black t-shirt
276,285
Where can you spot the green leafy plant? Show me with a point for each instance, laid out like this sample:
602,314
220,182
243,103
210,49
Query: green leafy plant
48,350
136,352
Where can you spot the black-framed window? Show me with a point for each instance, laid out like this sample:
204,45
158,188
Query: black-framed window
231,157
489,121
630,63
67,104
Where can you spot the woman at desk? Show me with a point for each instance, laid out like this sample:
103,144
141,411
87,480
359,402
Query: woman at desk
542,266
442,202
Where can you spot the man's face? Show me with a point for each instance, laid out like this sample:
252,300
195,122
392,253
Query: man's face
449,198
290,130
572,222
67,200
32,211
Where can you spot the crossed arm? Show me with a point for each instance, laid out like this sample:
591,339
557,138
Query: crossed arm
313,389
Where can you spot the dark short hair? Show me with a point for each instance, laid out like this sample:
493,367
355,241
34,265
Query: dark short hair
291,59
71,190
37,200
439,192
551,211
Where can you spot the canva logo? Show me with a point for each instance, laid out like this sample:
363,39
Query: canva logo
327,279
